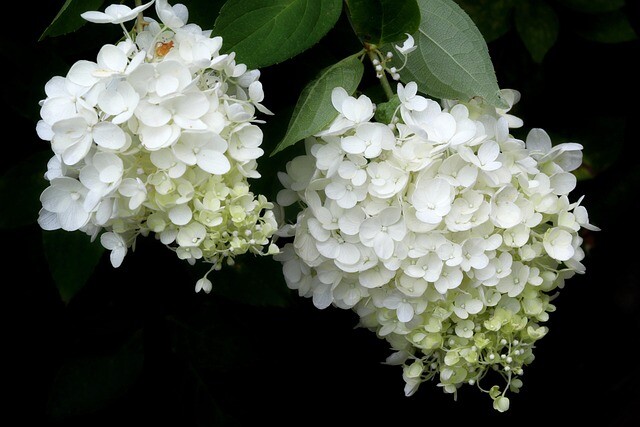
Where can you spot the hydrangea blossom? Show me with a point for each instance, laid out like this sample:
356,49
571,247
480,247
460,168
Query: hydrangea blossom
442,231
159,136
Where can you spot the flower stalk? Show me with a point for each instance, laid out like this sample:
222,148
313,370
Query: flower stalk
373,56
139,19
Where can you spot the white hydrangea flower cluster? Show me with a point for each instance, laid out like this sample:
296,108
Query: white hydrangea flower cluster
441,230
159,136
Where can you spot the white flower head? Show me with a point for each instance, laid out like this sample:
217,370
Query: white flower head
159,135
444,233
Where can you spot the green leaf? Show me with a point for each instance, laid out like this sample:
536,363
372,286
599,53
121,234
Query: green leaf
314,109
493,17
613,27
538,26
86,385
202,12
386,110
72,258
266,32
68,19
20,189
593,6
451,60
383,21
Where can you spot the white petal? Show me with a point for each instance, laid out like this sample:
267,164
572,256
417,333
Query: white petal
538,141
348,201
370,228
358,110
55,109
153,115
563,183
429,217
112,58
467,175
74,217
167,84
204,284
192,106
184,152
44,131
350,222
335,190
353,145
506,215
56,87
405,312
163,159
111,174
81,73
338,96
329,248
181,12
111,240
390,216
109,135
473,306
443,128
322,297
97,17
173,17
77,151
383,246
411,89
488,152
155,138
180,215
256,93
349,254
48,220
141,77
117,256
557,243
111,102
213,162
287,197
189,124
55,198
569,160
90,177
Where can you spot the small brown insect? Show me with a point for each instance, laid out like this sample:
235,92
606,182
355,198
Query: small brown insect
163,48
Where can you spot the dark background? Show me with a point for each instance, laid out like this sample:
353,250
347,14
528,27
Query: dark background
136,344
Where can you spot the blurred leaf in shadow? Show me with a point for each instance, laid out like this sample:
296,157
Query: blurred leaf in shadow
538,26
86,385
593,6
72,257
493,17
612,27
